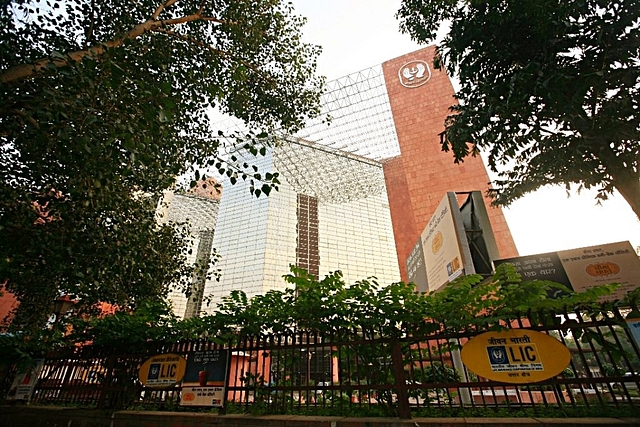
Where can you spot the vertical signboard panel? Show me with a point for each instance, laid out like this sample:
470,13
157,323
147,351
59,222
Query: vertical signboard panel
442,254
479,233
457,240
24,382
416,271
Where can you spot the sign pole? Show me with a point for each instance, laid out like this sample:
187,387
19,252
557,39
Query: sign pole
465,393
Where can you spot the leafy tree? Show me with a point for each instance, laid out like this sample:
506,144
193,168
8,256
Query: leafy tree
550,87
325,305
395,310
103,105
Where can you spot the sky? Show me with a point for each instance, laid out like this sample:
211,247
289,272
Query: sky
358,34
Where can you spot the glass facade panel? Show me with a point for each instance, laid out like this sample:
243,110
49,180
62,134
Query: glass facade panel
199,214
347,228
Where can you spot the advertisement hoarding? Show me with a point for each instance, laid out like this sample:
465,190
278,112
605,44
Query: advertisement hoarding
443,258
601,265
583,268
457,240
25,382
205,378
162,370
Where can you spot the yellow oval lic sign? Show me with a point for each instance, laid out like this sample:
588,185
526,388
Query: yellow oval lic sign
162,370
515,356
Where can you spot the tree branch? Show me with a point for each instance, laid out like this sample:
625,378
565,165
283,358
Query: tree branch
25,118
160,8
201,8
23,71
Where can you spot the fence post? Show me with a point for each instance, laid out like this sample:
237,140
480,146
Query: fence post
404,411
106,382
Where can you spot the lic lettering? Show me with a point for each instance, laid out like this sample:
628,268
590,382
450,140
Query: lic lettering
522,354
168,371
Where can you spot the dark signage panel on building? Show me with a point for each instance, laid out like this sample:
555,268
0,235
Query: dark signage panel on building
545,266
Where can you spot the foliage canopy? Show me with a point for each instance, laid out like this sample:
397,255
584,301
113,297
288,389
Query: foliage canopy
329,305
103,105
550,87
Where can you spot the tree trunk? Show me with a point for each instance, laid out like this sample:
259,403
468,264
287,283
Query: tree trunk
630,190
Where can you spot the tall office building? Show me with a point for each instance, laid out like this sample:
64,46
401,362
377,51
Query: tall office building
355,194
419,177
394,113
330,213
198,211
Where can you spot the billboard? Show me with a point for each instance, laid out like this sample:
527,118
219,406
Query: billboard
517,356
457,240
162,370
442,254
545,266
25,382
205,378
583,268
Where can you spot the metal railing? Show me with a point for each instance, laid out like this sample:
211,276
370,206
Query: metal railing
362,371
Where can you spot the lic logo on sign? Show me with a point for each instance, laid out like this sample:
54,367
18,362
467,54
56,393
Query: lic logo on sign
510,357
498,355
154,371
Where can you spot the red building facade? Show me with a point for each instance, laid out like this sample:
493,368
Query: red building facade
418,179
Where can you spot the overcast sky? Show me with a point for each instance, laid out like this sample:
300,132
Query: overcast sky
358,34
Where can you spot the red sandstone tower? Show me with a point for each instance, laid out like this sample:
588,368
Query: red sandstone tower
418,179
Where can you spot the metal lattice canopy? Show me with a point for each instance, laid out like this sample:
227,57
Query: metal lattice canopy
361,120
199,212
341,159
331,176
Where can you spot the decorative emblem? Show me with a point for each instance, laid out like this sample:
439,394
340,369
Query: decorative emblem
603,269
437,242
414,73
497,355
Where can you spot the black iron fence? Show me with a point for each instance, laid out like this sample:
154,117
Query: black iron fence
363,371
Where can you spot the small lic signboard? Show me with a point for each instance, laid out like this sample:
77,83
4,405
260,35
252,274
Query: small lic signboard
633,323
205,378
162,370
25,382
515,356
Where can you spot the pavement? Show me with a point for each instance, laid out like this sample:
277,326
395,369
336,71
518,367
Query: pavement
48,416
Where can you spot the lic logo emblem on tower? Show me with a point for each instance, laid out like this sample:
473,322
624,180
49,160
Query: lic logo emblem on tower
414,73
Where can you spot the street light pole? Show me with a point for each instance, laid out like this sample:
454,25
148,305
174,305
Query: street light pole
61,306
